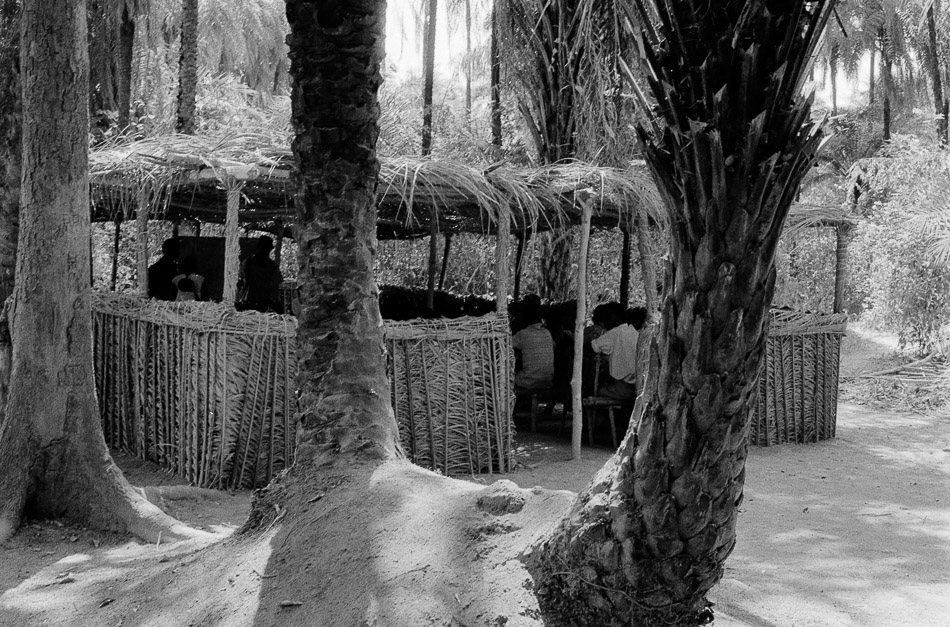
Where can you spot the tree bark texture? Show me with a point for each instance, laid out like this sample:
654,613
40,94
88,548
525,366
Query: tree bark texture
124,66
646,247
10,157
555,273
649,537
188,69
335,52
53,458
495,80
887,79
936,80
428,70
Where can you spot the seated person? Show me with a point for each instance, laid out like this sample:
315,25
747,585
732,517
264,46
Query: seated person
619,343
189,270
534,345
186,290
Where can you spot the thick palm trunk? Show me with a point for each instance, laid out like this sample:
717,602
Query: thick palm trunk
335,51
53,459
188,68
646,541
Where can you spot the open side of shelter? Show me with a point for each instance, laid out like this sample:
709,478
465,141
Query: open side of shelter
208,391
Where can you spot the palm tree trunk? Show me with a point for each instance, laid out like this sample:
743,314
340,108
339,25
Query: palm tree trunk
833,76
871,77
936,81
468,61
124,66
343,389
495,80
428,69
188,69
555,274
887,78
649,537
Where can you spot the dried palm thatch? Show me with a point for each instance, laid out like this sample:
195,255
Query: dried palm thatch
208,392
184,177
798,384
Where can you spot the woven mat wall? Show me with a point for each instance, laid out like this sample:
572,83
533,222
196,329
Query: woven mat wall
203,390
452,392
208,392
798,386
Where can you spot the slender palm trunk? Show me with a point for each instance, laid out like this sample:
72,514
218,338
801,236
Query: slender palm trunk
833,76
188,69
936,80
495,80
887,78
124,66
844,234
871,69
428,69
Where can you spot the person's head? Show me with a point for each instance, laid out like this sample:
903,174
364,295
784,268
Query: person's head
637,317
613,315
170,248
189,265
186,285
553,319
531,310
265,244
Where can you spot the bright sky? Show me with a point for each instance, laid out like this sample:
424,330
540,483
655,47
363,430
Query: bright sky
404,37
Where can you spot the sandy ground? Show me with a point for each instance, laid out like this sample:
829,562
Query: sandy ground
850,532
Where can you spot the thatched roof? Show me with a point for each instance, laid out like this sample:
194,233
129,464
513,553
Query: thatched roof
185,177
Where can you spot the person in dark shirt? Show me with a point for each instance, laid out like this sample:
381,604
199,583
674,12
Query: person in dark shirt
260,279
161,273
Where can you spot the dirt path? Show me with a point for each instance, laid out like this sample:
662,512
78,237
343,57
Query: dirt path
853,532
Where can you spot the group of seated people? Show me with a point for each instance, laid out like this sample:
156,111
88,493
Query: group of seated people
544,351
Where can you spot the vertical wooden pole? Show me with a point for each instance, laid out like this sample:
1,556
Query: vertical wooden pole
501,261
232,248
625,270
115,254
445,259
519,261
141,243
577,408
433,260
279,241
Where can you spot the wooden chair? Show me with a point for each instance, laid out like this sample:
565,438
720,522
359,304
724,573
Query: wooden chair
592,403
537,397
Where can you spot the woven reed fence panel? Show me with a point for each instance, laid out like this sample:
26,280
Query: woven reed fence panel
208,392
798,385
203,390
452,392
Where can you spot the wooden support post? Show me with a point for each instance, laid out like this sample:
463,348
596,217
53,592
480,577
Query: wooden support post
519,261
625,270
278,241
445,259
232,247
433,260
577,407
141,243
648,268
501,261
197,228
115,254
